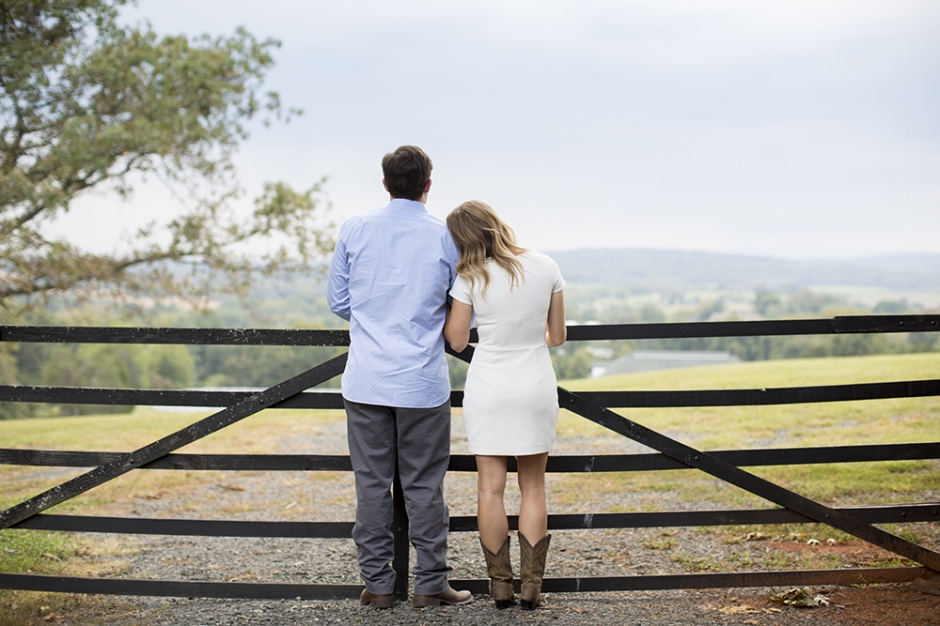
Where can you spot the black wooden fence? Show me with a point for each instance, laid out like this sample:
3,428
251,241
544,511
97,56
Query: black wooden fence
595,406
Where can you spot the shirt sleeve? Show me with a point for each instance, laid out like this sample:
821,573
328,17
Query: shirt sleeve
461,290
452,257
337,289
559,279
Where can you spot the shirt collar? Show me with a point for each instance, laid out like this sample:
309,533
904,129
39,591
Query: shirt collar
403,204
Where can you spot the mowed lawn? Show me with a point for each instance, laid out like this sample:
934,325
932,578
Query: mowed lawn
257,434
905,420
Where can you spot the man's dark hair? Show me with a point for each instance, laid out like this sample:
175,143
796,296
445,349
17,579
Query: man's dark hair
407,172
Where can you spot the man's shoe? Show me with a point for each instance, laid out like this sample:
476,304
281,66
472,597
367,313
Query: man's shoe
376,600
448,597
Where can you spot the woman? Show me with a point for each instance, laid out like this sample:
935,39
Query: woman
510,399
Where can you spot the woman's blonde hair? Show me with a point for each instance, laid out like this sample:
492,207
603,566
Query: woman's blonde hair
481,235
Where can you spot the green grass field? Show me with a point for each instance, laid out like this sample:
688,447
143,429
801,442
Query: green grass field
710,428
779,426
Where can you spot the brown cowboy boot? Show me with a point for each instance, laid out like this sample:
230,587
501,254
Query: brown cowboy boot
499,569
533,568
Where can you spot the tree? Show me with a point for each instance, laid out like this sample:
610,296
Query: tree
122,365
8,375
768,304
573,365
85,103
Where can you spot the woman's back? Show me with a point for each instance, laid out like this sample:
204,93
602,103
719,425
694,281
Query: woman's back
510,400
513,318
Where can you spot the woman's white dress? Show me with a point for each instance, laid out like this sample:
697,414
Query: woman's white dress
510,404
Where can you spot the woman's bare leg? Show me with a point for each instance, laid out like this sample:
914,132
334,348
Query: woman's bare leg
491,511
533,514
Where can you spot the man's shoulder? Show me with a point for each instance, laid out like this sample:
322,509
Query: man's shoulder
363,218
386,216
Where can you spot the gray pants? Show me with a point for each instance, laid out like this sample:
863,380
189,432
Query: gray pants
419,440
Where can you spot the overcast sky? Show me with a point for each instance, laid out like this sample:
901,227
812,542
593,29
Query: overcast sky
798,129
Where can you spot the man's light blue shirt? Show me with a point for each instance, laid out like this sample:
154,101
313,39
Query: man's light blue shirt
390,274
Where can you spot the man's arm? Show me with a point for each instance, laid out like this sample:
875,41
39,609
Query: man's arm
452,256
337,288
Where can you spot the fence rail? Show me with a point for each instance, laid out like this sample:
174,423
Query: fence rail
613,399
595,406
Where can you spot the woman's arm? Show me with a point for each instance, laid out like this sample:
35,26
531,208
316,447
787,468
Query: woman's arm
457,326
555,331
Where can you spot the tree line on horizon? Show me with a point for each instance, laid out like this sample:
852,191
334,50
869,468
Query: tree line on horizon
769,305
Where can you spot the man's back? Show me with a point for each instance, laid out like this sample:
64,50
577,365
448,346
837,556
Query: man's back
391,272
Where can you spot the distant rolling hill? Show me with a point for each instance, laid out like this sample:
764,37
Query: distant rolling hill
681,270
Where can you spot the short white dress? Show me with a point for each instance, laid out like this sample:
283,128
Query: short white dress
510,404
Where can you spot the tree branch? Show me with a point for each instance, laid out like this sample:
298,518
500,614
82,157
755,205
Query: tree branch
14,151
9,226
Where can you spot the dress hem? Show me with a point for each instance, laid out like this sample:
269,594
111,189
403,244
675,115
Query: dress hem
510,453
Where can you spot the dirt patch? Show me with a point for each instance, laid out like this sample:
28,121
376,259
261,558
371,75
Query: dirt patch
855,553
872,605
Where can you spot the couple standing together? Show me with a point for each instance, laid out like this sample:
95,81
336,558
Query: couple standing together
392,272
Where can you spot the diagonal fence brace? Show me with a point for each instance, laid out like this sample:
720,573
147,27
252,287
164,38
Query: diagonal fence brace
736,476
268,398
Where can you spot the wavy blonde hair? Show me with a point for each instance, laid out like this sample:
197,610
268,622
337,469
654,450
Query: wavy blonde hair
480,235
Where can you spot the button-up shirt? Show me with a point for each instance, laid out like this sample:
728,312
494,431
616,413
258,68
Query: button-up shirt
390,274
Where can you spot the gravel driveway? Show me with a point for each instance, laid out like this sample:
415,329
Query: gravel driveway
330,497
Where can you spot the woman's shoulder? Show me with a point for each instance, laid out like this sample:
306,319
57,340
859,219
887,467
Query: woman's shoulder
540,258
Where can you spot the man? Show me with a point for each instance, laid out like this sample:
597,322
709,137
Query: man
391,271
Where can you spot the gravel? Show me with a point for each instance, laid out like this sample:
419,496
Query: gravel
328,496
